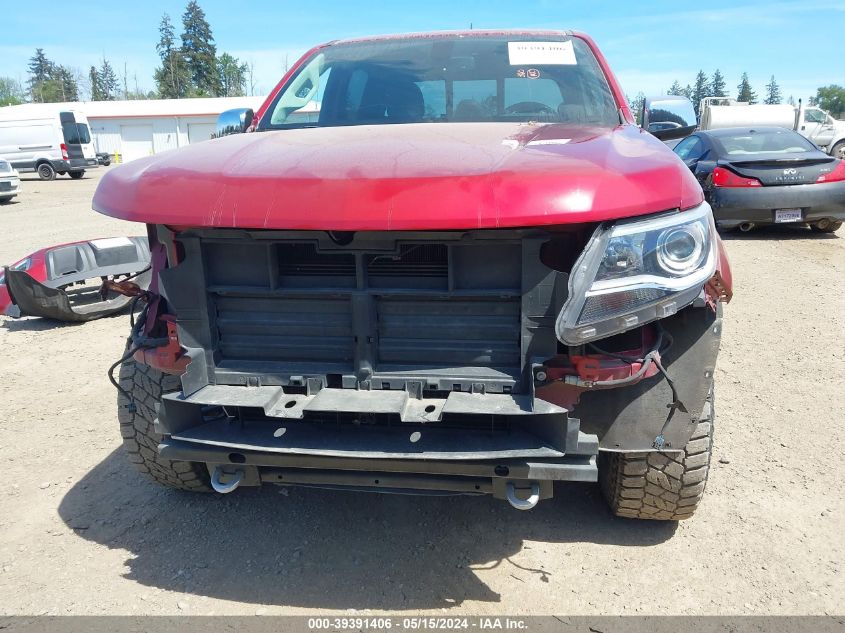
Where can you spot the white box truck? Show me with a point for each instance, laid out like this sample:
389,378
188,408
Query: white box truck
812,122
46,141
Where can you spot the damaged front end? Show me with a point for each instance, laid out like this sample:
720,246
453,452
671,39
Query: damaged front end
429,362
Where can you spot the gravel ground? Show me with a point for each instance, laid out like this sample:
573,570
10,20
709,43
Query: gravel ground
83,533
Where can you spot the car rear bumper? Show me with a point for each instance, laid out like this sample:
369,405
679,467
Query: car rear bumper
9,186
735,206
75,164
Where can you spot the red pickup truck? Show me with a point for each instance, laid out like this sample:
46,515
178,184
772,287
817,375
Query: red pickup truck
433,263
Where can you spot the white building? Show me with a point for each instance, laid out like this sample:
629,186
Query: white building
140,128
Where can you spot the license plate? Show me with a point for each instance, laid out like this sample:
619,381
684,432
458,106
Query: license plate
787,215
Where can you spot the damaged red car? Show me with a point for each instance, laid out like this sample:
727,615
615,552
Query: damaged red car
443,263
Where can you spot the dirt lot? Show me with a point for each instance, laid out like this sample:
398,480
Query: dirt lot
83,533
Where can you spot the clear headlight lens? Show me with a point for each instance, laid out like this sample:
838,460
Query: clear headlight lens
636,271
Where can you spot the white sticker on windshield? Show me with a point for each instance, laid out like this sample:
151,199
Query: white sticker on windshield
549,53
111,242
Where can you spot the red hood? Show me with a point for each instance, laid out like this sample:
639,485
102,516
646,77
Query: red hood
403,177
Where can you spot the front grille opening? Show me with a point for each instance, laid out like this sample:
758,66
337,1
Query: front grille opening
422,260
423,266
299,264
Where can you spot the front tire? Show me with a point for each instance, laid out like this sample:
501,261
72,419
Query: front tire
666,487
146,386
76,175
46,171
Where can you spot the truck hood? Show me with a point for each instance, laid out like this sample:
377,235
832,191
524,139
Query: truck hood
423,176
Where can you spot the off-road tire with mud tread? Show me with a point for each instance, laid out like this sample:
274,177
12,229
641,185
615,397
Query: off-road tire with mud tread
146,385
661,486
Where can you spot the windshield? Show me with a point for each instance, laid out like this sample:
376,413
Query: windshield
446,79
76,133
764,142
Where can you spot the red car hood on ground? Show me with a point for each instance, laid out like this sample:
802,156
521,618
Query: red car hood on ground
404,177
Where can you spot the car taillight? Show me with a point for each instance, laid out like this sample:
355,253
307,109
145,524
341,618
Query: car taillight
726,178
836,174
64,151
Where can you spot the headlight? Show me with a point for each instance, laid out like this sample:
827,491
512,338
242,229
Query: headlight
636,271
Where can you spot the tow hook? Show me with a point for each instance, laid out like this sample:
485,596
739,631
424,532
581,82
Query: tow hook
230,486
523,504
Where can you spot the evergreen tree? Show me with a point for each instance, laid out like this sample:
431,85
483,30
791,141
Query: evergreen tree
172,78
744,91
70,85
791,101
109,85
676,89
42,87
96,84
40,68
687,92
717,85
232,75
773,95
49,82
701,90
199,51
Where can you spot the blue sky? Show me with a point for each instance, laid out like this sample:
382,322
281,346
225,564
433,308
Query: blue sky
647,44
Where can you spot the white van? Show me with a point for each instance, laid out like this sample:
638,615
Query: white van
47,141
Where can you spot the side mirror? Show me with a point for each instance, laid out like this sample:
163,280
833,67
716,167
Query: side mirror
668,117
234,121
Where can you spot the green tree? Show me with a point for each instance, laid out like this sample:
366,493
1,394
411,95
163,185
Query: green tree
67,83
773,95
49,82
109,84
717,85
701,89
832,99
637,107
744,91
96,84
11,92
232,75
791,100
172,79
676,89
41,85
687,92
199,51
